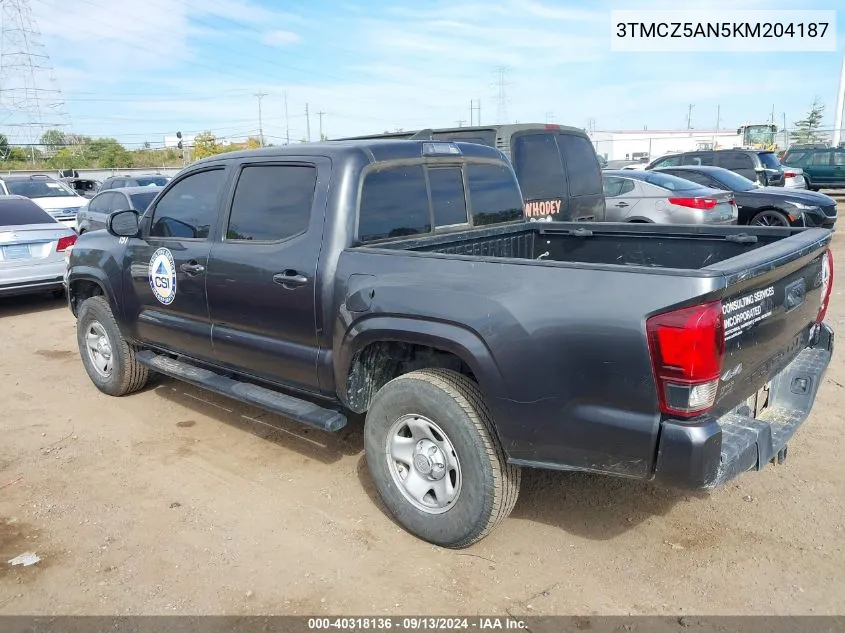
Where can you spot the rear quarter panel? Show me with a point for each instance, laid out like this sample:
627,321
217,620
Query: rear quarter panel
559,350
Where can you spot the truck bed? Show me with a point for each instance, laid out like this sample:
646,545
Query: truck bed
653,246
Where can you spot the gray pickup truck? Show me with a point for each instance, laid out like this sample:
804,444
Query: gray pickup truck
400,279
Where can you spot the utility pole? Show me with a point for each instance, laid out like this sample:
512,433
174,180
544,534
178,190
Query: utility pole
287,121
550,117
320,114
785,133
307,124
689,116
773,114
460,122
474,106
840,107
260,96
718,121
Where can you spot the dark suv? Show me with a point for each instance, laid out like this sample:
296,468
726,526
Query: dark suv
556,165
824,167
760,166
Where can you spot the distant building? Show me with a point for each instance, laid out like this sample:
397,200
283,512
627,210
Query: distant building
650,144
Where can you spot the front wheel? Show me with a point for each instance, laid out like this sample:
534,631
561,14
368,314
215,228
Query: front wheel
770,218
435,458
108,359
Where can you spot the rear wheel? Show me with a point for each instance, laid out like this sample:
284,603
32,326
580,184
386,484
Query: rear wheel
435,458
770,217
810,185
108,359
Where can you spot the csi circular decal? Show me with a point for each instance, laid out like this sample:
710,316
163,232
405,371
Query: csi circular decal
163,276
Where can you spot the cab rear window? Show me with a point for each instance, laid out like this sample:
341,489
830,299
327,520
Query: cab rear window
416,200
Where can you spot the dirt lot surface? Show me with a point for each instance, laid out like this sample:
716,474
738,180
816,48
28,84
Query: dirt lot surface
176,501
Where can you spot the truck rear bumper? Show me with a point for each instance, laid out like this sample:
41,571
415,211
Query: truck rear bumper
711,452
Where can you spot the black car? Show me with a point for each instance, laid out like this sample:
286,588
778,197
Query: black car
93,215
764,206
151,180
85,187
760,166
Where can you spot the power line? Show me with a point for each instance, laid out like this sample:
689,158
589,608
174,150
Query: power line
501,95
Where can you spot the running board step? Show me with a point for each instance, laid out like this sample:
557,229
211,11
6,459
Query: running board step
291,407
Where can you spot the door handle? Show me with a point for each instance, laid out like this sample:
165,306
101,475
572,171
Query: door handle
290,278
621,204
192,268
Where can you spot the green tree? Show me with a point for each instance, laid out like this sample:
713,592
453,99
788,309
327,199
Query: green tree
4,147
107,152
66,158
205,144
53,140
807,129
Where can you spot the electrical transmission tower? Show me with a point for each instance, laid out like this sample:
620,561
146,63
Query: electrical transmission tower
30,100
501,95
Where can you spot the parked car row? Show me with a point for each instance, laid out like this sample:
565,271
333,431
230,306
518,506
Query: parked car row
40,218
765,192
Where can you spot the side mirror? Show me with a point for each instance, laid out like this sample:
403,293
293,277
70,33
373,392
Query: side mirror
123,223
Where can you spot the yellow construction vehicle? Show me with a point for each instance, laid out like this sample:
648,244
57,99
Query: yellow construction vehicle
758,136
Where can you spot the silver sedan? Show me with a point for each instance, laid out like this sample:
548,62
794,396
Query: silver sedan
648,196
32,248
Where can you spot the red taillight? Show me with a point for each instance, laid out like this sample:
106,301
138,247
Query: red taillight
789,174
552,126
65,242
702,204
827,284
687,347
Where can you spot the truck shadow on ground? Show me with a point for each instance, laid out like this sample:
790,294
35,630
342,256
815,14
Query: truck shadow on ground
591,506
29,304
321,446
595,507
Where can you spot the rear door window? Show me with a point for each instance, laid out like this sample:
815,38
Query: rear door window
820,159
582,166
839,158
735,161
272,202
394,202
536,159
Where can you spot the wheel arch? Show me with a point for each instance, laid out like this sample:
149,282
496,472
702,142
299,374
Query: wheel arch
381,348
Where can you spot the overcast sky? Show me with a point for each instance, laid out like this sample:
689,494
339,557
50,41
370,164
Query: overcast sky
140,69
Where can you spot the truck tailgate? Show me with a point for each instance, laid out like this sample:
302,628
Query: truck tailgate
768,321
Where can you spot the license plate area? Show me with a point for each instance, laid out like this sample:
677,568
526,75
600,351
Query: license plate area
16,251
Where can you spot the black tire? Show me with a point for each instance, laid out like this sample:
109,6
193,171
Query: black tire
489,485
770,217
127,374
810,186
